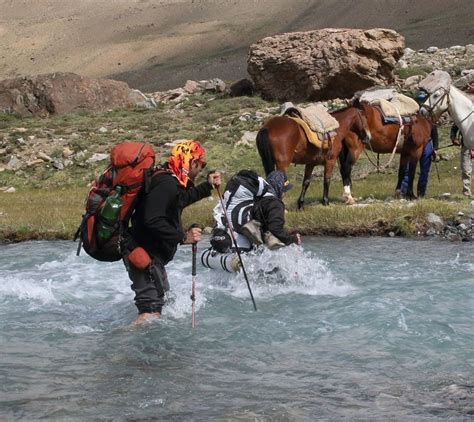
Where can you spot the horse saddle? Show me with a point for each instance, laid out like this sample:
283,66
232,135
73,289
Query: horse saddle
319,140
398,107
394,107
318,125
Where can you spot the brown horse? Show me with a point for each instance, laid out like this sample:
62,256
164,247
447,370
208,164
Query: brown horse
281,141
383,140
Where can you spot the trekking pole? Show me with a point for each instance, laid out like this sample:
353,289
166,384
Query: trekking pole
446,146
234,241
437,172
193,289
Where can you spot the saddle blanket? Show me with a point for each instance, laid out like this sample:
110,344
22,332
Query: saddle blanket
316,117
406,120
319,140
399,106
370,95
391,103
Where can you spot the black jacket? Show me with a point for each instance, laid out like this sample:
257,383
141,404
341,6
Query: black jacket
156,223
434,137
270,211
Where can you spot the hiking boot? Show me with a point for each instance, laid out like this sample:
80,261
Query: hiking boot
272,242
235,264
252,232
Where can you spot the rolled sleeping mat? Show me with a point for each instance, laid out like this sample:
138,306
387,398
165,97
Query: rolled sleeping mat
228,262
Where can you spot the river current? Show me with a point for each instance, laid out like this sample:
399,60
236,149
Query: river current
361,329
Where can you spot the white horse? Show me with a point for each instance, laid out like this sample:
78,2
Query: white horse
443,96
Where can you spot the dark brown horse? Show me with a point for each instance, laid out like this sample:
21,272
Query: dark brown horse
281,141
383,141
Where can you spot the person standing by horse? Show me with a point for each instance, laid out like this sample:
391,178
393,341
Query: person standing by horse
157,228
427,156
466,159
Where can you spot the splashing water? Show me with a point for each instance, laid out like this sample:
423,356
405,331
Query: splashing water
346,328
285,271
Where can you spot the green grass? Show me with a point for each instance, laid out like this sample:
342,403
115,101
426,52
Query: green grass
49,203
414,70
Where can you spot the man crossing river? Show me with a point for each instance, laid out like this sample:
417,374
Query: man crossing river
157,228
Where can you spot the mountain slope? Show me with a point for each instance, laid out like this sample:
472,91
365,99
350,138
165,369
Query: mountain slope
155,44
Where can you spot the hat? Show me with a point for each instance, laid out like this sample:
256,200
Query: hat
279,183
220,240
181,156
421,97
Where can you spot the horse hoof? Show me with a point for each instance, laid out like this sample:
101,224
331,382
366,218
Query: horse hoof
349,200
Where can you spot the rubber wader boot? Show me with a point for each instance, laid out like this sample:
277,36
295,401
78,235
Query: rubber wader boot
235,264
272,242
252,232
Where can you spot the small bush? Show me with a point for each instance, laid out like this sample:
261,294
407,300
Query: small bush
412,71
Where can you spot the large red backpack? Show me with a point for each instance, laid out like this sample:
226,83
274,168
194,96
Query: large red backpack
131,167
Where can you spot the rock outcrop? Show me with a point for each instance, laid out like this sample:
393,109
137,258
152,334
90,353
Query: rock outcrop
62,93
456,60
323,64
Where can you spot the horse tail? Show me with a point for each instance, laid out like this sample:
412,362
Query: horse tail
263,146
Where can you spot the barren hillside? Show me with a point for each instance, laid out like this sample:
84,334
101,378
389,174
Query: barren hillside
155,44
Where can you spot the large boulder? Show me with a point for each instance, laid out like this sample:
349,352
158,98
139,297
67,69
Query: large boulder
323,64
62,93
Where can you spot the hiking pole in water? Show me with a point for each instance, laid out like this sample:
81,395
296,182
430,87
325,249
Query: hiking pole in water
193,273
234,241
193,289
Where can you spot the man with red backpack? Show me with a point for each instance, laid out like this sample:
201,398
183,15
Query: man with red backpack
157,230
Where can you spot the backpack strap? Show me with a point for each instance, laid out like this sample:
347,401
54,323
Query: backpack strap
78,232
135,161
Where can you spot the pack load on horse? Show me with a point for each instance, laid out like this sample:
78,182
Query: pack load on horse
442,97
396,126
319,126
111,201
395,107
295,138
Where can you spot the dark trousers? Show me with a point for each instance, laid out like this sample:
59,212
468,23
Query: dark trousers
425,166
149,285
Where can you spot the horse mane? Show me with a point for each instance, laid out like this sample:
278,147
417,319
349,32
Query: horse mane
461,92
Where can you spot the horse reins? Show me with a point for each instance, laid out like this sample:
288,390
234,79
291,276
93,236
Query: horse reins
377,166
430,108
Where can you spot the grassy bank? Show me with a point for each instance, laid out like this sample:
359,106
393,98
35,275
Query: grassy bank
55,214
48,202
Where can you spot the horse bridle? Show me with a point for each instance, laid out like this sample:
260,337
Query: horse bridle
430,107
